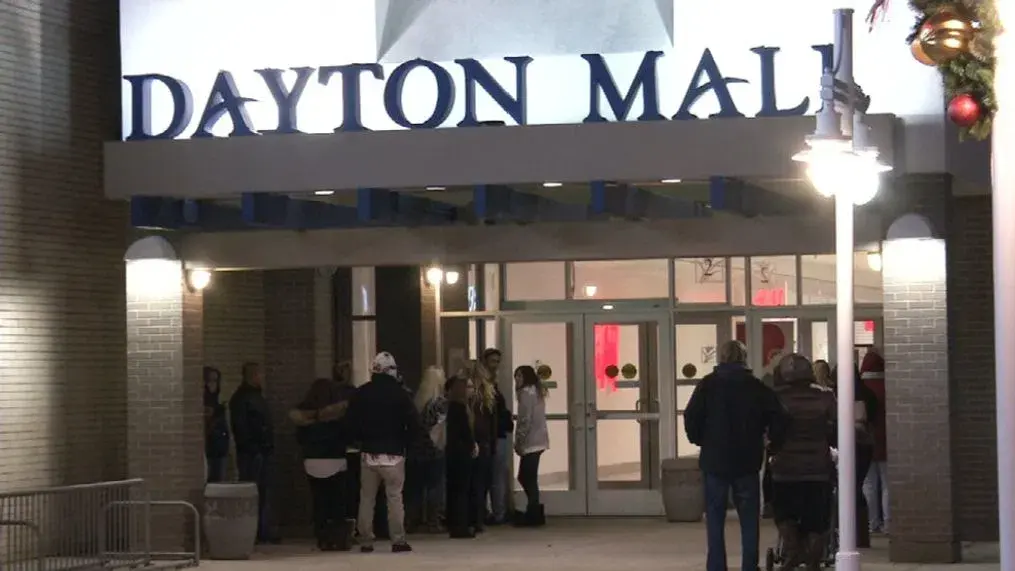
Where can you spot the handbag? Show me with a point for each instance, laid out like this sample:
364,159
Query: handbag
439,432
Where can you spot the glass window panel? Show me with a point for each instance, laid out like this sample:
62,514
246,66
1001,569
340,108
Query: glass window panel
696,349
818,272
819,340
455,296
684,447
684,393
544,346
773,281
490,300
738,281
555,463
621,449
700,280
863,332
535,281
622,279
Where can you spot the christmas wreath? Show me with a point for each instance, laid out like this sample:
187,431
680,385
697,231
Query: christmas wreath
957,36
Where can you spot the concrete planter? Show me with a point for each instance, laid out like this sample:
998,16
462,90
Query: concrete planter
683,490
230,519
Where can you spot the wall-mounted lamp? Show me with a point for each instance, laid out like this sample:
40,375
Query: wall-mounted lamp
590,290
451,277
874,261
197,280
435,276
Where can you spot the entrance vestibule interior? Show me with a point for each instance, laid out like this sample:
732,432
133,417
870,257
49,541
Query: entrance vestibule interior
621,345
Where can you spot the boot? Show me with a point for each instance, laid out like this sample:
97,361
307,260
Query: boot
791,548
863,531
540,515
814,551
343,538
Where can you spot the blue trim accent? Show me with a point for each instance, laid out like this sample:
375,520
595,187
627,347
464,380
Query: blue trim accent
280,211
632,203
156,212
378,206
498,203
739,197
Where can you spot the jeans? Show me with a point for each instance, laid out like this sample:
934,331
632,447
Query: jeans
257,468
747,500
371,479
528,477
481,473
499,483
217,468
424,490
875,490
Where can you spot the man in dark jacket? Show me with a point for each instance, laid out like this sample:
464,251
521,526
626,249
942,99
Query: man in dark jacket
802,467
727,416
254,436
383,419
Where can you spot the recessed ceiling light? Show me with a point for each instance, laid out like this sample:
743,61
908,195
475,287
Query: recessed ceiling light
608,306
324,192
435,188
670,180
552,184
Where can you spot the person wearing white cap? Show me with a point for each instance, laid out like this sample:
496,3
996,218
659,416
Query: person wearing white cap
384,420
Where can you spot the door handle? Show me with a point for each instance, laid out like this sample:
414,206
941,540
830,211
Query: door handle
637,405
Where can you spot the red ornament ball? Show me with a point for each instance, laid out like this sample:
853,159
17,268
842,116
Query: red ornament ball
964,110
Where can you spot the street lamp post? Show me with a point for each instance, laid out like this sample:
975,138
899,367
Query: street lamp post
842,164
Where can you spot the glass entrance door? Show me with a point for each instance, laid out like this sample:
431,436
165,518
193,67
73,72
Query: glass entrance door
698,338
627,409
552,345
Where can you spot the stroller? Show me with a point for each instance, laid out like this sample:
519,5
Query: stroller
775,556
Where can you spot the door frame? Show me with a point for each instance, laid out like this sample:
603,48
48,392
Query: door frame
631,502
574,500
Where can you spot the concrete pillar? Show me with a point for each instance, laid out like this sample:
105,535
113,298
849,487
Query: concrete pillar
164,390
918,401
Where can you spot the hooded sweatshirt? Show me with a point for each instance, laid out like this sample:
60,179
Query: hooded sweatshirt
872,371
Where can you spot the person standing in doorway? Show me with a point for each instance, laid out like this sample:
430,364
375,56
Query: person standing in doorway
875,485
532,438
254,436
384,421
501,468
216,426
728,415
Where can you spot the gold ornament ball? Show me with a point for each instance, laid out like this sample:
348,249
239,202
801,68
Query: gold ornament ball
946,35
919,55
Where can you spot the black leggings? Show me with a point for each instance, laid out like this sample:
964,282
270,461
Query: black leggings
528,477
460,504
328,497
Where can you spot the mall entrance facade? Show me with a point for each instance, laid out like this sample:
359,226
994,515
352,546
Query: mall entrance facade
623,343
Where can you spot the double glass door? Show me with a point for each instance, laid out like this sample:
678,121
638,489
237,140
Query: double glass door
609,411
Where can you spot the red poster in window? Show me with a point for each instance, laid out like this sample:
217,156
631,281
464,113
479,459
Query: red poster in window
770,297
607,352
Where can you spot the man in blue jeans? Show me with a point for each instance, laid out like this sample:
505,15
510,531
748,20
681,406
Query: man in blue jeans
727,416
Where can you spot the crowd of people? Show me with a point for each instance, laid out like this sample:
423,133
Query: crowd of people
384,460
789,426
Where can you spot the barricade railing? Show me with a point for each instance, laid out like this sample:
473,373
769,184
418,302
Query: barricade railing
103,525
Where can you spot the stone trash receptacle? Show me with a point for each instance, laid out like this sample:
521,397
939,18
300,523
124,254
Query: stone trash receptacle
683,490
230,519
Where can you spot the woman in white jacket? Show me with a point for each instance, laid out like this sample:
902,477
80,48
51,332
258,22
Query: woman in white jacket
531,439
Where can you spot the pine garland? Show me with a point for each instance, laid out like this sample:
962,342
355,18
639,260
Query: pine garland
973,72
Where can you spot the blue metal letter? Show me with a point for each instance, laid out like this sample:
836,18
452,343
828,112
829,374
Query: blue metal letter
827,56
600,79
225,98
351,120
769,107
286,99
716,84
396,83
141,106
476,74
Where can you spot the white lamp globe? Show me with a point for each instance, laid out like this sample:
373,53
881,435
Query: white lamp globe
434,276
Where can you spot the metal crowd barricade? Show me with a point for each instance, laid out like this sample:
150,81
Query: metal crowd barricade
104,525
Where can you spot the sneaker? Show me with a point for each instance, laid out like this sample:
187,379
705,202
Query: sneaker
401,548
366,548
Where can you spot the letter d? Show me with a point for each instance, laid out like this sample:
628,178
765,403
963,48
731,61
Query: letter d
141,106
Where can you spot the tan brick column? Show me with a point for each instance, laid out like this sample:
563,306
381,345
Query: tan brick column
165,436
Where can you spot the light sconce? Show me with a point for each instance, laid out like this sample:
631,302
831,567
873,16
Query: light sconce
198,280
875,261
434,276
590,290
451,277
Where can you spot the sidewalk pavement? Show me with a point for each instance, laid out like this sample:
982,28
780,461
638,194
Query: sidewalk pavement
567,545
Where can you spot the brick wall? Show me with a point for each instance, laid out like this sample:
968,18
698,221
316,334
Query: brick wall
164,356
61,272
917,402
971,355
233,328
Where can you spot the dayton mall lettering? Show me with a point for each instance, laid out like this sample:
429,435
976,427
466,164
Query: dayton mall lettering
226,100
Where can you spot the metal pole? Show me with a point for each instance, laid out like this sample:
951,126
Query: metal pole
1003,191
438,333
848,558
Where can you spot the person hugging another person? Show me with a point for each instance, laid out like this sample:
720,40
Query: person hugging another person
425,495
321,433
532,438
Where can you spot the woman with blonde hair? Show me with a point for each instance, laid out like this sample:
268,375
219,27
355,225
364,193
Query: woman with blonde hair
484,412
425,490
